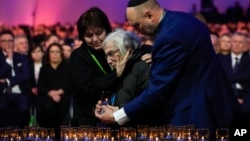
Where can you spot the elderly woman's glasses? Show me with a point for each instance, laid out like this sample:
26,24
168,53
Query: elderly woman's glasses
111,53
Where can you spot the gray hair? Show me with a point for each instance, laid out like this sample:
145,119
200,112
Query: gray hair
123,40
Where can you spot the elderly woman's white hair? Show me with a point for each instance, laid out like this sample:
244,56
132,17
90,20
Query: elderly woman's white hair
123,40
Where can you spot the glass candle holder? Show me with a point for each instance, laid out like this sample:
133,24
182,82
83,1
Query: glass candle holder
142,132
222,134
202,134
128,134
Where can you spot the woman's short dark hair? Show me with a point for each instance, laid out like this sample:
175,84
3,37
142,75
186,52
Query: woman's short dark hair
94,17
32,48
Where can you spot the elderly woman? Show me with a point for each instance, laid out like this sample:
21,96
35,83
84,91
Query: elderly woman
91,74
120,46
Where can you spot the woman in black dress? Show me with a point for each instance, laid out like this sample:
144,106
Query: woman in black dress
54,89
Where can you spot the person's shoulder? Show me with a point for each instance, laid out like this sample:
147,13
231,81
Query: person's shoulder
78,50
20,55
246,54
223,57
78,53
178,13
1,52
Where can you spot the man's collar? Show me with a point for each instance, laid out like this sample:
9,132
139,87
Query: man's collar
236,56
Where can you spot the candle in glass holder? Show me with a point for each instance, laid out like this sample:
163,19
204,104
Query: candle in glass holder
105,97
48,138
223,138
66,138
189,138
37,138
129,138
105,102
18,138
222,134
179,139
150,138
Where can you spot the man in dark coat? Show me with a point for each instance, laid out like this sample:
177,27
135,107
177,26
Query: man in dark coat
186,76
14,84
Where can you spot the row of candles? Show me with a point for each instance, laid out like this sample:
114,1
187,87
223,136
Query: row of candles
87,133
27,134
142,133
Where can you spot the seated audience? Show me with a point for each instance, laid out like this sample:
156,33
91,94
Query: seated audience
67,50
14,84
237,67
224,44
21,45
36,54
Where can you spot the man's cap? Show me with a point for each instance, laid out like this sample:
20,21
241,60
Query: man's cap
133,3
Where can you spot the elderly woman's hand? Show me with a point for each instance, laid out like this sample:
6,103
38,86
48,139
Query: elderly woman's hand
122,63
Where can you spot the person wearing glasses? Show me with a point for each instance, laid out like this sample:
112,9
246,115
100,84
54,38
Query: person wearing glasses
54,90
91,74
186,79
14,84
124,45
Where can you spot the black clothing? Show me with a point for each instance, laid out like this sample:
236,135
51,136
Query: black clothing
134,79
51,114
88,81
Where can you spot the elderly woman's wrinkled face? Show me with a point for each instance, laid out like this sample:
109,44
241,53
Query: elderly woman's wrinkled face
112,53
94,37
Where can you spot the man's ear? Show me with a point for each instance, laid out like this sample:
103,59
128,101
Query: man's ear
149,15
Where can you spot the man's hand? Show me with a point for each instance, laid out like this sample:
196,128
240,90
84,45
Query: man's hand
106,116
147,58
113,108
9,52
